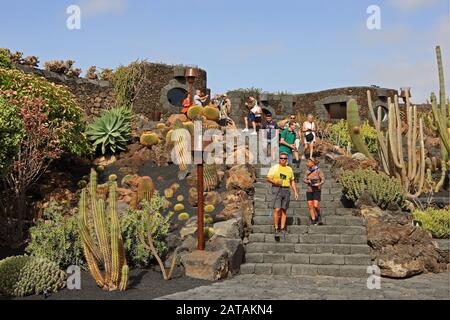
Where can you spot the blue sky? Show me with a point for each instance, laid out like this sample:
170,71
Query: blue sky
285,45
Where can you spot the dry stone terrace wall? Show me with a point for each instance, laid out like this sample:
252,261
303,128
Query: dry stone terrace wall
94,96
281,105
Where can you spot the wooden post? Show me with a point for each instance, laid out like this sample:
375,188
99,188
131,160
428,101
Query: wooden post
201,240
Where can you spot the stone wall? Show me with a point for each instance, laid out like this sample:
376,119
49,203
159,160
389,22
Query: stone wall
281,105
94,96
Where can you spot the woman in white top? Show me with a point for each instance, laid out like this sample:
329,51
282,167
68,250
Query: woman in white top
254,116
309,132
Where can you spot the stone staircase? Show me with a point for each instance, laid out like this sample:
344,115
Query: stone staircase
337,248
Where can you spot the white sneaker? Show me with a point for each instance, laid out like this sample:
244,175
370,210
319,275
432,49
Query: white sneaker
245,130
254,133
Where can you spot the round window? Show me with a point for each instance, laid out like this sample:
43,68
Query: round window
176,96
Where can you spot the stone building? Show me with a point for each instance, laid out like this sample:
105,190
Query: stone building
162,93
329,105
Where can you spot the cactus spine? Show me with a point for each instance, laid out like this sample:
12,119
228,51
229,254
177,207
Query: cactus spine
411,173
210,178
354,128
107,247
145,189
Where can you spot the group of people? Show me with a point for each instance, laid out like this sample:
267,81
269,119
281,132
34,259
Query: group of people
222,102
282,178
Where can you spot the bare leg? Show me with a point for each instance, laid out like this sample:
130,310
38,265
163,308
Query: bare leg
254,125
312,212
311,150
246,122
276,218
283,219
317,208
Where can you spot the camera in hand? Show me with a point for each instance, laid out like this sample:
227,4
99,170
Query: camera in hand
283,176
314,182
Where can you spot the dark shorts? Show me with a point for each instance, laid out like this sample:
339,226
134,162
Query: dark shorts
313,196
251,117
281,197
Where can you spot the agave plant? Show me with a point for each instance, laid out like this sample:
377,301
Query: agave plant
112,130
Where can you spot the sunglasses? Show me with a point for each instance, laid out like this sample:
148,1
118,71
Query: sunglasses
283,158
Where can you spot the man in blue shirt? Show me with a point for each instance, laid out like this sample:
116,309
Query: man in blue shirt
272,130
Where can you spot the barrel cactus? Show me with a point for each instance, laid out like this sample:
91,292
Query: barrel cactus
211,113
168,193
149,139
194,112
183,216
179,207
209,208
23,275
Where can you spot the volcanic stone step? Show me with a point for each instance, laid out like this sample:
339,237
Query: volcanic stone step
317,259
304,269
323,248
325,229
301,204
300,235
295,210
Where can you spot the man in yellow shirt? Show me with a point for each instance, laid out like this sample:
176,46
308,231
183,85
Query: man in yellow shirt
282,178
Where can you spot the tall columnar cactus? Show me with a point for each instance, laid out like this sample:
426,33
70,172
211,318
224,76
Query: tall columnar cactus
441,115
412,171
354,128
182,145
103,246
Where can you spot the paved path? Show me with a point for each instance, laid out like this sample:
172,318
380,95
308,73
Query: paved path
263,287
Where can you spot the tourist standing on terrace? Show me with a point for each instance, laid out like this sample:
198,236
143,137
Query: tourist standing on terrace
282,178
314,179
199,98
309,130
287,142
254,116
186,104
224,111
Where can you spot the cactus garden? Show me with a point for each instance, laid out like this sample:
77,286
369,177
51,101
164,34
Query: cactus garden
134,182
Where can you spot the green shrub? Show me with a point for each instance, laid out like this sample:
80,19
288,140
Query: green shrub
437,221
5,60
22,275
339,135
128,81
112,131
382,189
57,239
10,133
60,105
134,222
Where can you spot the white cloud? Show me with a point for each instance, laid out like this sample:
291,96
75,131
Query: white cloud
98,7
412,5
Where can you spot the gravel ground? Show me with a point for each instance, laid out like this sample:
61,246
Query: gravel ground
143,285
